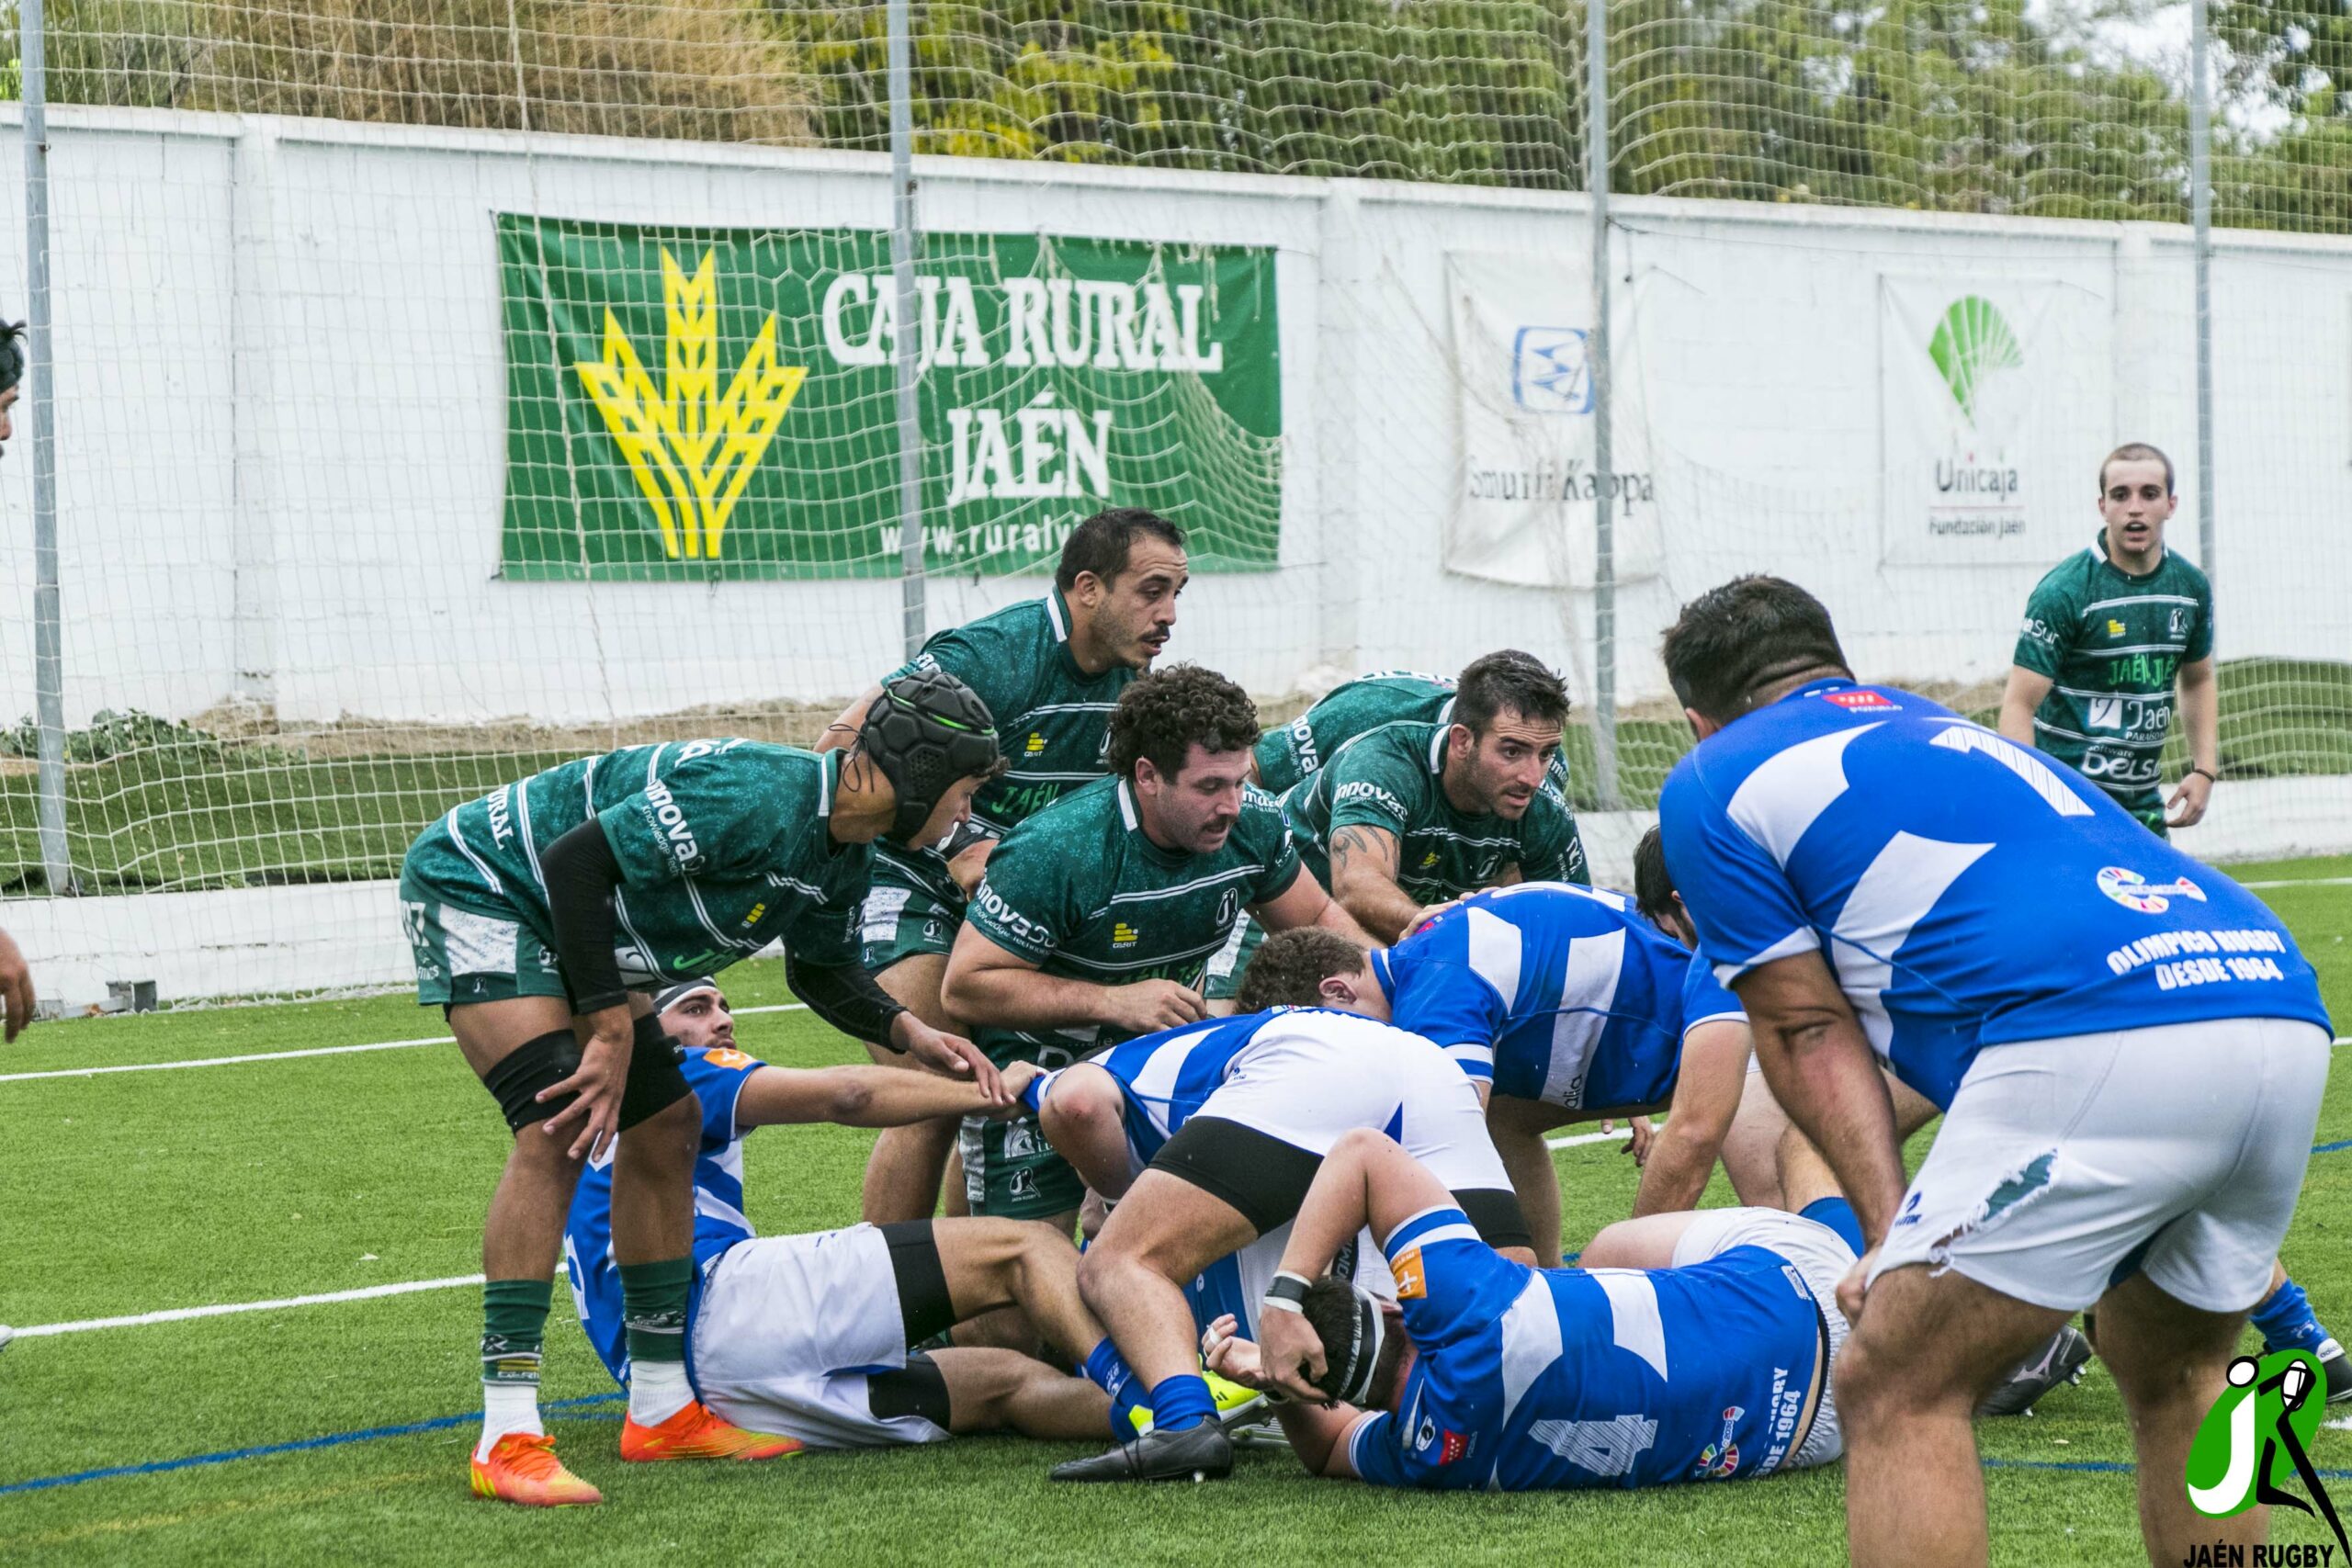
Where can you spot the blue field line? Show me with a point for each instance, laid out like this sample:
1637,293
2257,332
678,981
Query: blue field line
332,1439
2331,1148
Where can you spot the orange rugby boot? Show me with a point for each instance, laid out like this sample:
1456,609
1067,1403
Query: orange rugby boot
522,1469
694,1433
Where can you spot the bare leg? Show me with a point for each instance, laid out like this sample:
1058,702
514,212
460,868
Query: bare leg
523,1235
2168,1359
902,1174
1084,1117
1751,1148
1925,1351
1518,1127
989,1391
653,1185
1132,1277
1645,1243
992,1264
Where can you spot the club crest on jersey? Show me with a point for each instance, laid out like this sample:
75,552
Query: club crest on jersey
1411,1275
2177,624
1857,701
2132,891
1719,1459
728,1057
1228,907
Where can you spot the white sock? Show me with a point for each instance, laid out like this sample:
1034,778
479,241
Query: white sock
508,1407
657,1391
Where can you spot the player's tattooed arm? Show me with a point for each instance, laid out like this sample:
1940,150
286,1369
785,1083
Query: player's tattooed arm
1304,903
1363,879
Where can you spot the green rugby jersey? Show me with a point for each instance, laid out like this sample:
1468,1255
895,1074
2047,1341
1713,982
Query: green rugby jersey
1053,720
1081,891
2112,646
724,846
1389,778
1384,696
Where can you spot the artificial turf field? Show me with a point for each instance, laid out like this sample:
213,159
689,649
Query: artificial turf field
133,1192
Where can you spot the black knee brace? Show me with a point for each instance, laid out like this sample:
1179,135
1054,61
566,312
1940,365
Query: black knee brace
531,1067
654,1084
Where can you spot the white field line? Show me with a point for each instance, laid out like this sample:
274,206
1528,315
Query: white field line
181,1314
2302,881
290,1055
1580,1139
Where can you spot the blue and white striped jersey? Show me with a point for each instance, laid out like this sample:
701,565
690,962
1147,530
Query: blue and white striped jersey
1967,891
1556,992
1534,1380
716,1078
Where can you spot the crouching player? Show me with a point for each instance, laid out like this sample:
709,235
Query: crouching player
1560,1004
1209,1137
1487,1375
807,1336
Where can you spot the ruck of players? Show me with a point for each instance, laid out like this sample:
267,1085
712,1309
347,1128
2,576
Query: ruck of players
1214,1065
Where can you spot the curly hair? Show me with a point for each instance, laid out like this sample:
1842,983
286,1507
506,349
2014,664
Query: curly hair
1163,715
1290,968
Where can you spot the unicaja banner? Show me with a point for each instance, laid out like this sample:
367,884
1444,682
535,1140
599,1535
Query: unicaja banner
1995,398
1524,504
699,405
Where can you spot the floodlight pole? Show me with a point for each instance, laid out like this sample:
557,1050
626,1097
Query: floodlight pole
2200,181
40,404
908,363
1604,543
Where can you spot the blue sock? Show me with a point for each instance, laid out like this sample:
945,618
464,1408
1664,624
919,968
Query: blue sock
1109,1371
1838,1215
1180,1402
2286,1321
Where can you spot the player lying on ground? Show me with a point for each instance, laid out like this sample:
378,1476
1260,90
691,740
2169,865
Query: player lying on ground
807,1336
1049,671
534,910
1559,1004
1485,1374
2129,1049
1409,815
1098,915
1208,1137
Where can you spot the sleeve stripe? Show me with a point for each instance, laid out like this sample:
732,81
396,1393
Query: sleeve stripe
1802,940
1471,1052
1416,1229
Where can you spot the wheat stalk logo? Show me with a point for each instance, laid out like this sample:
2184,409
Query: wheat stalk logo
691,447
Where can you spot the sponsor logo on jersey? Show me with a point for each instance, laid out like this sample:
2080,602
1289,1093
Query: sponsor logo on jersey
1035,744
1429,860
993,906
1910,1214
2114,628
502,822
2134,891
1719,1459
1412,1275
1124,934
669,823
1452,1445
727,1056
1373,792
1861,702
753,917
1020,1141
2255,1443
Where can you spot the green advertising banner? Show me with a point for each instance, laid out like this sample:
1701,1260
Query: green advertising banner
691,405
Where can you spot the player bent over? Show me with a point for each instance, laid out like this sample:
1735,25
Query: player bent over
1098,915
1698,1347
1210,1135
807,1336
1560,1004
2129,1049
1050,671
533,909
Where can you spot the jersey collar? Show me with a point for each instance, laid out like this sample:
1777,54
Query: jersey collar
1383,973
2101,558
1438,731
1057,616
828,781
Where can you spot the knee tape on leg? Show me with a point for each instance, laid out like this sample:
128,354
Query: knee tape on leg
531,1067
654,1084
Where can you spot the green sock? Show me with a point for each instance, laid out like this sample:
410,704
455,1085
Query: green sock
653,1308
514,1327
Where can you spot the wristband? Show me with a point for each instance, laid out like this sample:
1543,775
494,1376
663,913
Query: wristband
2211,776
889,1025
599,1002
1286,1293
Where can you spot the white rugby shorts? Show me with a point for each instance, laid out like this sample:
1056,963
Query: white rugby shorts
1821,1258
790,1329
1309,1079
2059,1159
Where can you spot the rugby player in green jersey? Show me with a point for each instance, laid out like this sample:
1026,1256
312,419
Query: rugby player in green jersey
1407,817
540,915
2106,636
1097,917
1050,670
